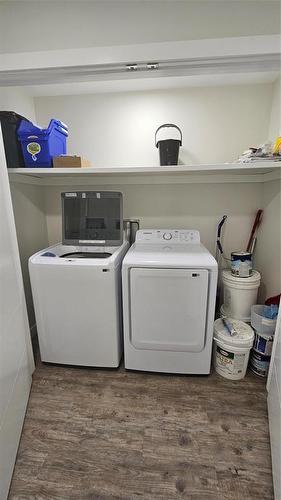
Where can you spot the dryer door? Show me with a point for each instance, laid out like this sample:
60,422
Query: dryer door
168,308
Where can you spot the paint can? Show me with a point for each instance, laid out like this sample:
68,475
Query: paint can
263,343
259,363
241,264
231,353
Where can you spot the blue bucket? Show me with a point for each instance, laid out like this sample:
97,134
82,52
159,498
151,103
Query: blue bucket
39,146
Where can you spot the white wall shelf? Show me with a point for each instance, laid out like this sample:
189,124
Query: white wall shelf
210,173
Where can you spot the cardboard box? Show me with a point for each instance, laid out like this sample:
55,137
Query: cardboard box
66,161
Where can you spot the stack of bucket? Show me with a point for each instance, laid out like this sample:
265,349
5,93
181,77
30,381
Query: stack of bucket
264,336
233,335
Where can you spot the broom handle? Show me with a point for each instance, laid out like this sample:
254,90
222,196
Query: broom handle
254,229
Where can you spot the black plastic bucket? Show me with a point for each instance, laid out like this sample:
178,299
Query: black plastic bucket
10,122
168,148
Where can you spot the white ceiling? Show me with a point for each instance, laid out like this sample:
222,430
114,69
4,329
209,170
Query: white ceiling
60,24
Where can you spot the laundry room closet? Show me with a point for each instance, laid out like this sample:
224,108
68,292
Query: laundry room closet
219,119
115,73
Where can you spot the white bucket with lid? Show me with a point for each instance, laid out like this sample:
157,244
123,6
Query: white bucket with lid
231,353
224,315
239,294
259,322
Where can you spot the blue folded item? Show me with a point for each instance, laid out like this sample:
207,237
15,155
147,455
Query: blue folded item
270,312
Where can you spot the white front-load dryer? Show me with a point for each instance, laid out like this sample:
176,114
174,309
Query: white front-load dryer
169,292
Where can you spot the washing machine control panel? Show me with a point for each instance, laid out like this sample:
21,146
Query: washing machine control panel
180,236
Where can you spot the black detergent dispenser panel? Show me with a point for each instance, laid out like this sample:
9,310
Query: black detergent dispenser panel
92,218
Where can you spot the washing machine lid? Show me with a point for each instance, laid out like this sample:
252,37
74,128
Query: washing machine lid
92,218
60,255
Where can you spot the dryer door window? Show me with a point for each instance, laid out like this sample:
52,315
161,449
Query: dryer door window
168,308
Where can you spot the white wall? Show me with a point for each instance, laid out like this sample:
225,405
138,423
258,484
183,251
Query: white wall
45,25
275,115
28,200
31,226
16,99
194,206
268,253
218,123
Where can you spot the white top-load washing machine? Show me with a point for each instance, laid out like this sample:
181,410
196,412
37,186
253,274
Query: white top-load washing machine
169,293
76,285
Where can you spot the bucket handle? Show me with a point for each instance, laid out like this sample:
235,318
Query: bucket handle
168,125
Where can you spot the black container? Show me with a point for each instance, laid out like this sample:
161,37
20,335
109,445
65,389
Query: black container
10,122
168,148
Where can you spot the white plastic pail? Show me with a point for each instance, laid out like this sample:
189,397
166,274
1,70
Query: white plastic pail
239,294
231,353
259,322
224,315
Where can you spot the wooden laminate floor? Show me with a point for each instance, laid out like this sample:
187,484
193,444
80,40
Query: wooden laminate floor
102,434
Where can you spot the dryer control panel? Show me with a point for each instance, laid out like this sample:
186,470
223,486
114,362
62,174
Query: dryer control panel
180,236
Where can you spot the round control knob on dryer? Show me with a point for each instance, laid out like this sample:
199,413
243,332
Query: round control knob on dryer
167,236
